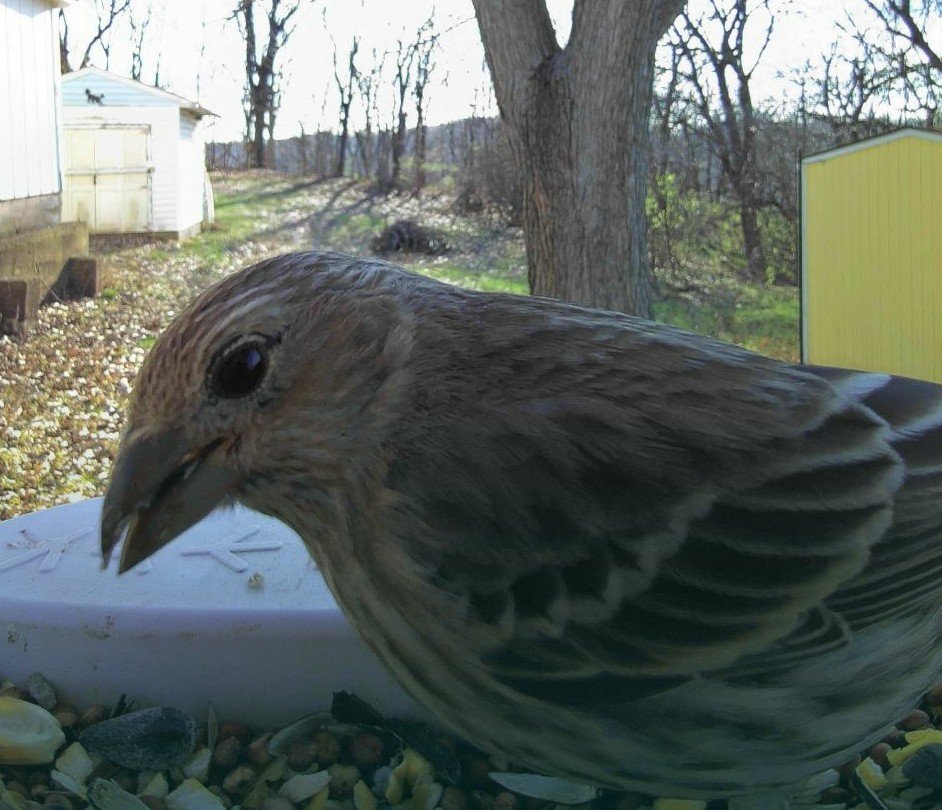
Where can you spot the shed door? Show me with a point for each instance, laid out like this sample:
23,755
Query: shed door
107,178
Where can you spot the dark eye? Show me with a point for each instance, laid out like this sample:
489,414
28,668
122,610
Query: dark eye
240,369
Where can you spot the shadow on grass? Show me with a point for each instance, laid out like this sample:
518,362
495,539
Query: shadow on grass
329,219
254,196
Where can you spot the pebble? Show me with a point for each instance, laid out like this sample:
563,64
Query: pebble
426,796
302,754
107,795
29,735
381,779
455,798
76,762
227,753
145,740
257,751
328,748
220,794
41,691
93,714
255,797
914,741
367,751
196,766
10,689
274,770
319,800
505,801
476,773
304,727
871,774
895,739
127,779
845,769
357,774
156,786
191,795
363,798
66,714
879,753
915,720
342,780
924,767
238,730
302,786
239,781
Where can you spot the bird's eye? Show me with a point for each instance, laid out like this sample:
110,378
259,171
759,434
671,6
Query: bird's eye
240,370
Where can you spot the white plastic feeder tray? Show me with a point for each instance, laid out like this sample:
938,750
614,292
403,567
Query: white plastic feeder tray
234,611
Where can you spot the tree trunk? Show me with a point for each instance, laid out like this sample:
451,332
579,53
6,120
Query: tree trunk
421,134
342,145
752,240
383,149
398,149
258,136
578,126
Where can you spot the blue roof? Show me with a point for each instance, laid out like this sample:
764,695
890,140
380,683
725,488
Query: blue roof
80,88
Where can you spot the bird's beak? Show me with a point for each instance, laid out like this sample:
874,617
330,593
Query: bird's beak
160,486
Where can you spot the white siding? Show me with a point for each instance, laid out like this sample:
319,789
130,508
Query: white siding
164,155
192,172
29,91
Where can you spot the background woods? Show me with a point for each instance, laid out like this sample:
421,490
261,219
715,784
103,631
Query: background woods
630,169
482,150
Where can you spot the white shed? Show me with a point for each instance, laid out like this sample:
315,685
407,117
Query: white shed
30,183
134,157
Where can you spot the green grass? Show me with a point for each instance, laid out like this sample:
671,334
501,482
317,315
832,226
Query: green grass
763,319
286,214
475,278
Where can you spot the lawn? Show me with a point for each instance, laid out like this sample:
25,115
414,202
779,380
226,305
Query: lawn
64,386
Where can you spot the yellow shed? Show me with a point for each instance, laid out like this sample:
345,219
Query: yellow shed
871,255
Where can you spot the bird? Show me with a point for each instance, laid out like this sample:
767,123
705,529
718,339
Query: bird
600,547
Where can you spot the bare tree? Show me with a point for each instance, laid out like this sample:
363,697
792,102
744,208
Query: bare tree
577,120
107,12
345,84
847,90
908,52
140,25
405,58
712,50
424,65
368,85
262,73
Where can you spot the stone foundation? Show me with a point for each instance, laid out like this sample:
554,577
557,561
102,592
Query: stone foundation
41,264
29,213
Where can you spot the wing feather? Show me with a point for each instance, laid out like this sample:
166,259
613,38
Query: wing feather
632,507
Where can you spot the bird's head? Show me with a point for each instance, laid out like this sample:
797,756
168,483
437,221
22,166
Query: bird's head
275,382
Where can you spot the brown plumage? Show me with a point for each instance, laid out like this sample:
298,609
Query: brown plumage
606,548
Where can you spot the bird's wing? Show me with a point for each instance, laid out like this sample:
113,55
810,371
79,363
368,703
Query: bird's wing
903,572
637,518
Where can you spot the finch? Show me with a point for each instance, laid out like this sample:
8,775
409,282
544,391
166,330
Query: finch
607,549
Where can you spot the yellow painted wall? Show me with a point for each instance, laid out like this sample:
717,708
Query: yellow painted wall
872,258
